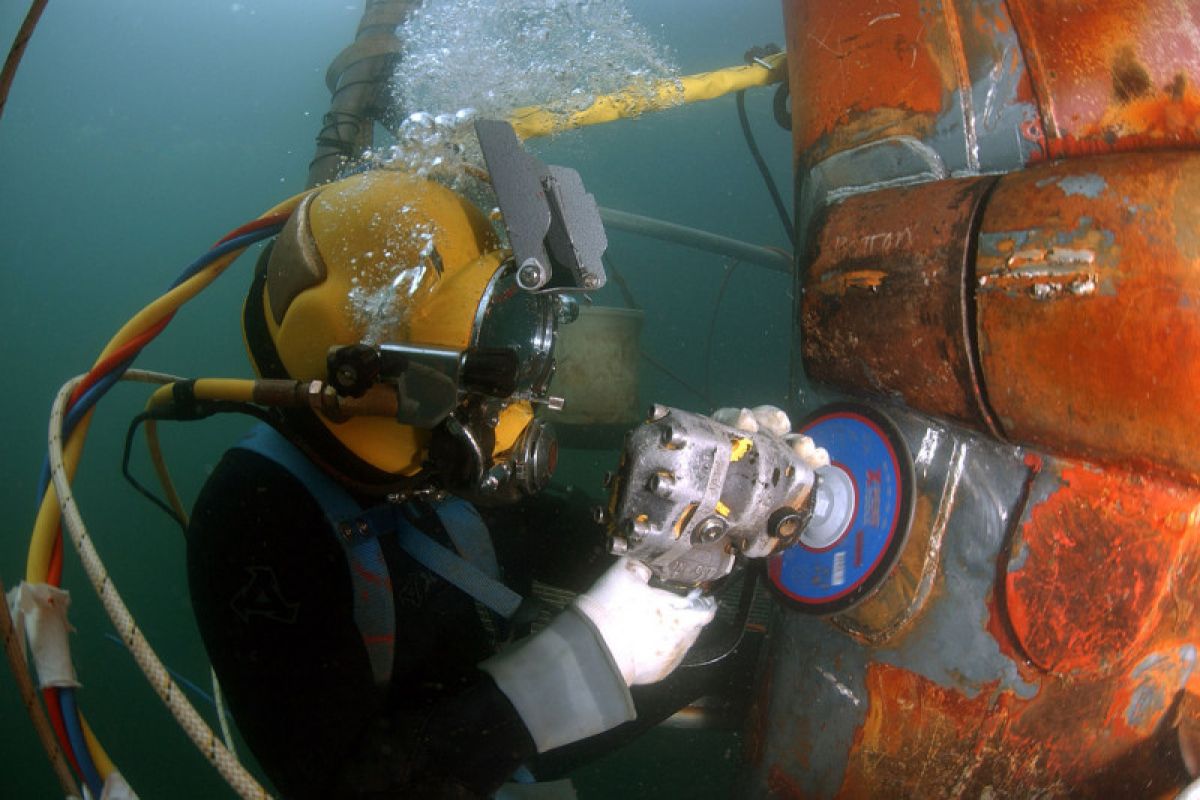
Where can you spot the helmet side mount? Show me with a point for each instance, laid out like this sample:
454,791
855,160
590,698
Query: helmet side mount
553,224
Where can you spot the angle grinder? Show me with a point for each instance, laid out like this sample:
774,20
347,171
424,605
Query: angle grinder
692,497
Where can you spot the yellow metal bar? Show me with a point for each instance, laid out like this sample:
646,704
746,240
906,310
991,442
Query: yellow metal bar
533,121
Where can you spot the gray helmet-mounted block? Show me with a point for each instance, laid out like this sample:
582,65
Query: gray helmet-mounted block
553,224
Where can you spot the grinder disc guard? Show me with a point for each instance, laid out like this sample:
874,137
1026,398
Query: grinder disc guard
863,512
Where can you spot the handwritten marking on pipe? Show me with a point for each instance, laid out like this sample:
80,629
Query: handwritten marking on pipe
879,244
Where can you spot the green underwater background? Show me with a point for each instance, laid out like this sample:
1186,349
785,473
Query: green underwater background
139,131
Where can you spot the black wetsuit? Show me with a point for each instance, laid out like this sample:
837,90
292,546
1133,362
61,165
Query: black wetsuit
271,590
272,594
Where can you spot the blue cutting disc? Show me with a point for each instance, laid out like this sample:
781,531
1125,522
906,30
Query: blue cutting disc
870,464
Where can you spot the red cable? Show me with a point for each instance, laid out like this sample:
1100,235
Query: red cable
134,345
54,711
54,572
128,350
258,224
118,356
122,354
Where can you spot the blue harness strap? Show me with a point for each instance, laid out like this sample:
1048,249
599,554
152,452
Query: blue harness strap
374,611
478,579
475,571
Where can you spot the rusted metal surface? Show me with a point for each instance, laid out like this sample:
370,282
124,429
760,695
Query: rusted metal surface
1112,76
1075,330
886,309
1055,657
1064,622
996,745
974,80
950,75
1054,652
1088,301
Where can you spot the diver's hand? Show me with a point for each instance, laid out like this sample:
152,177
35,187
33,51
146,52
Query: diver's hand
646,630
571,679
774,421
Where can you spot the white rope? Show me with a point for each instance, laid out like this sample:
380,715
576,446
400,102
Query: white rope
222,714
152,667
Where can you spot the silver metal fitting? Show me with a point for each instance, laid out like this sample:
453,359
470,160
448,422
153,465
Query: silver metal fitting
532,275
710,530
657,412
661,483
671,437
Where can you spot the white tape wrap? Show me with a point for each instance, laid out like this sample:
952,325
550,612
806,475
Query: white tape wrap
42,610
115,788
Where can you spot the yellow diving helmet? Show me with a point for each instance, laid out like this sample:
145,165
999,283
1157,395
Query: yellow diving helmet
386,282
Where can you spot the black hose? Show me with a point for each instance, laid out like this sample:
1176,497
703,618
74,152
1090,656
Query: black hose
665,370
784,217
201,410
779,104
712,325
705,654
142,490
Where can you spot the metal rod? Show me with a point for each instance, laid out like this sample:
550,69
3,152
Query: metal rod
9,72
776,260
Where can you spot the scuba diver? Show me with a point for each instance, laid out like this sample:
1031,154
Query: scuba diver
349,598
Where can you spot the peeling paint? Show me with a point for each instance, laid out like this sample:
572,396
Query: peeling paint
1087,185
949,706
1112,77
1087,343
1159,676
856,279
1078,521
951,647
1052,643
1018,559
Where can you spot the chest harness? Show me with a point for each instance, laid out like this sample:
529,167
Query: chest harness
473,568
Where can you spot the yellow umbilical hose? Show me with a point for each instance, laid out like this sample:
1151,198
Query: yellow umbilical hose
46,524
52,508
533,121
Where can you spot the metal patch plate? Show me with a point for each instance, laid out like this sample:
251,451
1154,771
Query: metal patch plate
868,452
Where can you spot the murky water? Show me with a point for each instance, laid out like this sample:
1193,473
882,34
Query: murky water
139,132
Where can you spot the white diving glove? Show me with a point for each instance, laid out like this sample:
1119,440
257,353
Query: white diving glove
647,631
571,680
774,421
